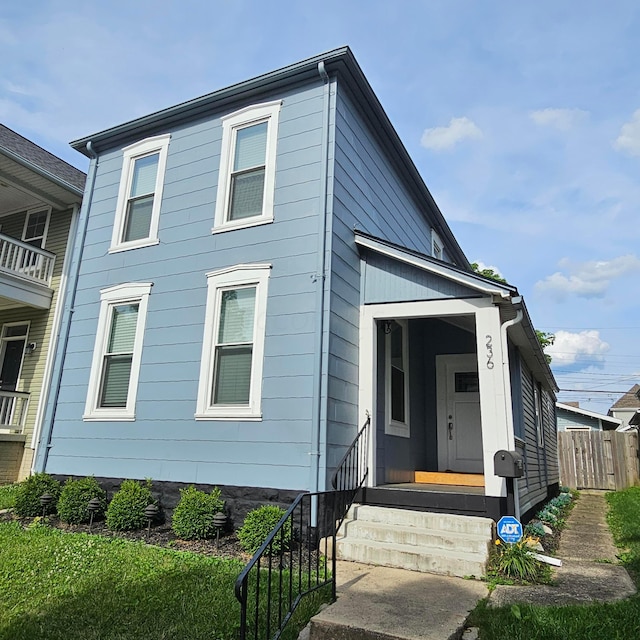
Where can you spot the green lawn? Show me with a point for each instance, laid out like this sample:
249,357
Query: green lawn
618,621
57,585
7,495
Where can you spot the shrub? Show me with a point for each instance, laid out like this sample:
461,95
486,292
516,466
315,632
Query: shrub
535,529
193,516
75,496
126,510
27,497
516,561
258,525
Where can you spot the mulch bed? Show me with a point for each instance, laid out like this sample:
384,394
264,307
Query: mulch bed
159,535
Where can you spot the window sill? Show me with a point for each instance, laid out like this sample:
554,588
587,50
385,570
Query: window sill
242,224
147,242
238,417
108,417
397,429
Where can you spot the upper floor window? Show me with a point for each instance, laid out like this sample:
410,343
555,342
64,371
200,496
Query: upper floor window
140,195
233,347
36,225
246,180
113,382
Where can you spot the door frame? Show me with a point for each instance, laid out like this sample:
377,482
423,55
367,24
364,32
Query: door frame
3,345
443,364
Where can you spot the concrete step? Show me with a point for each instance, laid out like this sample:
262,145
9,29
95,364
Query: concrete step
414,536
402,556
473,525
415,540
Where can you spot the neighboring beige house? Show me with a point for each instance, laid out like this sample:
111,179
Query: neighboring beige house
626,407
40,197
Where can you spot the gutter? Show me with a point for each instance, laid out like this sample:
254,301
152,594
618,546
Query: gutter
44,444
319,278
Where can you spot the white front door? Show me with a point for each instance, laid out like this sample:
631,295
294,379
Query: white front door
459,423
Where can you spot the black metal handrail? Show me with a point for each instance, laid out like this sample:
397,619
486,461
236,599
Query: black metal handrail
353,470
292,561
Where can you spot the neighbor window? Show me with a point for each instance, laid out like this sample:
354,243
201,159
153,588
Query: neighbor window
397,378
36,225
246,179
140,195
117,353
233,345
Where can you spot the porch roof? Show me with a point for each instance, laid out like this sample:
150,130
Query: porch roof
504,296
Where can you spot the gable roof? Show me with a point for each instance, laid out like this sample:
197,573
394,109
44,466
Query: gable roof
629,400
34,157
614,422
505,296
338,62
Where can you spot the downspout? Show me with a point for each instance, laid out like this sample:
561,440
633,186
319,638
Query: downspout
55,329
506,377
44,444
319,278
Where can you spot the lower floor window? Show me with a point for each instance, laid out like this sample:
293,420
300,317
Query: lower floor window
231,370
113,381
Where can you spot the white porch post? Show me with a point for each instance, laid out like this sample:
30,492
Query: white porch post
367,383
493,409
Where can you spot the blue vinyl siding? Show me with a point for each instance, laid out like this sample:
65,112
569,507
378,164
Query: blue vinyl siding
571,419
368,194
165,442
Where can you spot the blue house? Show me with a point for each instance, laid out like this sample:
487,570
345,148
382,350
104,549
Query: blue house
571,417
257,271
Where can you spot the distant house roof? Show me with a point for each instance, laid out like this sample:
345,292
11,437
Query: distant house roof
607,421
26,152
630,400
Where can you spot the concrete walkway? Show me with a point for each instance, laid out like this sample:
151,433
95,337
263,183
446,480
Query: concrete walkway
380,603
589,572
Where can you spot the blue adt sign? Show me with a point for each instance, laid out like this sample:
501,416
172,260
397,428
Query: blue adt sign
509,529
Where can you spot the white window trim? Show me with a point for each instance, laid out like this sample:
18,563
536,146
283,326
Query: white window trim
395,427
129,292
3,344
265,112
218,281
45,233
157,144
537,400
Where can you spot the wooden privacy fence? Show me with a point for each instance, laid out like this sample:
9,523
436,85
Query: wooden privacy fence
598,459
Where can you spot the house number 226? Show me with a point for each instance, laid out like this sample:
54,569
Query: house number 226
490,363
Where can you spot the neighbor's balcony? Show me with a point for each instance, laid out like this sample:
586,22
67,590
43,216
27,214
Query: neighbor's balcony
13,411
25,274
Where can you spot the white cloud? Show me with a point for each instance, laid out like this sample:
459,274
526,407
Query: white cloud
562,119
571,348
587,279
439,138
629,138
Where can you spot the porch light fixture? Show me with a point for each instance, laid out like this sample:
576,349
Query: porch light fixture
30,348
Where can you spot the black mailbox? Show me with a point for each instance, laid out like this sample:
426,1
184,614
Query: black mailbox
508,464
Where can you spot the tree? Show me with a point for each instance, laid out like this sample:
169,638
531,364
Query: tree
488,273
545,338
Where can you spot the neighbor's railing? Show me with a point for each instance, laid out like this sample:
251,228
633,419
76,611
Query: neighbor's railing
13,410
26,261
293,561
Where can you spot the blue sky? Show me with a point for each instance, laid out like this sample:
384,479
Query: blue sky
523,118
